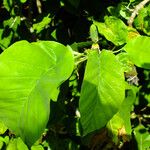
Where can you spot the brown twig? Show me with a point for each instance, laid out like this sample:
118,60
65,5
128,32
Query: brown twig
136,10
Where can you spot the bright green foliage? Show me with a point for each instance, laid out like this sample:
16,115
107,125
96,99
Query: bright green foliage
4,140
102,92
3,128
142,137
30,75
7,4
93,33
38,27
120,10
5,41
12,23
138,50
107,95
142,21
16,144
113,30
125,62
23,1
120,126
37,147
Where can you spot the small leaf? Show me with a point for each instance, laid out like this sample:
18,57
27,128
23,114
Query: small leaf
30,76
113,29
16,144
5,40
93,33
138,50
132,33
102,91
23,1
142,137
38,27
37,147
12,23
8,4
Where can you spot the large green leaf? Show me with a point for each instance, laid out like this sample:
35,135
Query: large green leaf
139,51
30,75
102,90
113,29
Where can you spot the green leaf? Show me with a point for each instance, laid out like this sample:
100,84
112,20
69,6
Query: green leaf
125,61
142,21
8,4
120,10
38,27
5,40
37,147
16,144
23,1
30,75
1,144
113,29
120,126
93,33
138,50
3,128
4,139
12,23
102,92
142,137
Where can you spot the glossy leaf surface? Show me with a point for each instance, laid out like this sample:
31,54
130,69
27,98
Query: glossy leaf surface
102,92
30,76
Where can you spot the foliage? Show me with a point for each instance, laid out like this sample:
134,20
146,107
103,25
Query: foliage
74,75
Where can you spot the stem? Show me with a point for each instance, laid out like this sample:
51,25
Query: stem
78,55
136,10
81,60
117,51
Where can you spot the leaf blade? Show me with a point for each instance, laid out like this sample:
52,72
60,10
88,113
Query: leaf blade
97,106
30,75
139,52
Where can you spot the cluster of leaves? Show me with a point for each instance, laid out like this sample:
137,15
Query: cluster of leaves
92,93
